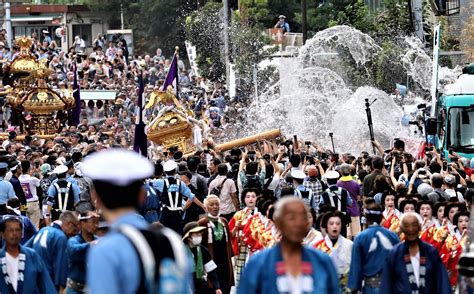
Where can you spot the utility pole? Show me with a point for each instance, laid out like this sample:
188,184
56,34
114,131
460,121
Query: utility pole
417,19
8,22
121,16
226,42
304,8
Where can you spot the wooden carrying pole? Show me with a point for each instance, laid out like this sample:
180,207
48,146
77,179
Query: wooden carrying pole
249,140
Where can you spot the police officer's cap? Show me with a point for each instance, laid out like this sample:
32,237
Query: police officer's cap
117,166
332,175
170,165
61,169
298,174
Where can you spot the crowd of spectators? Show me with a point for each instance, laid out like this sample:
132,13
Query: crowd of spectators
108,65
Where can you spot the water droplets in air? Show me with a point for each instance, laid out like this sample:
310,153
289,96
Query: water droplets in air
317,94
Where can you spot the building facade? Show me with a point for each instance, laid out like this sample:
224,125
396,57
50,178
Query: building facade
63,22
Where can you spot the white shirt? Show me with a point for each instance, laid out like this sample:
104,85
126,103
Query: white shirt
227,205
274,184
295,285
415,262
453,193
12,269
33,182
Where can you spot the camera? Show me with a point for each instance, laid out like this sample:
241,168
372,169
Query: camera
288,143
251,155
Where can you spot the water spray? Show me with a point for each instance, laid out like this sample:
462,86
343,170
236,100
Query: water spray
369,120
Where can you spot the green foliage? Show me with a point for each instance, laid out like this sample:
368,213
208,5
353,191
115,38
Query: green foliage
388,69
289,8
204,30
255,11
392,20
356,15
154,23
249,42
64,2
322,16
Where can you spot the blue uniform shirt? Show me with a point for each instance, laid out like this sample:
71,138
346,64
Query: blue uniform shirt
112,268
117,269
183,189
75,189
6,191
51,245
348,197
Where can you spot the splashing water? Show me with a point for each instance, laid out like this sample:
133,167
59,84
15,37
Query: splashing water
361,46
417,63
315,97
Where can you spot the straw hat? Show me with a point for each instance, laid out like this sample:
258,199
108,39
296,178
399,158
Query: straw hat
191,227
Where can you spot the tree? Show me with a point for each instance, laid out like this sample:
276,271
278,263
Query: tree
392,20
356,15
467,34
320,13
154,23
204,30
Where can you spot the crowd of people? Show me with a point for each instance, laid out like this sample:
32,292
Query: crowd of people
365,213
109,66
80,213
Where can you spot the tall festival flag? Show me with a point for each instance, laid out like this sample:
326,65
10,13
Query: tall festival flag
76,112
172,75
140,139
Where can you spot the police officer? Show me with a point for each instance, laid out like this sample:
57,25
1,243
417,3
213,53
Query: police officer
126,260
174,196
6,189
335,196
63,194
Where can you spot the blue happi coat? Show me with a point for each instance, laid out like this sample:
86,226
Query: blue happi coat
77,253
395,277
33,278
369,251
51,245
264,273
151,207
